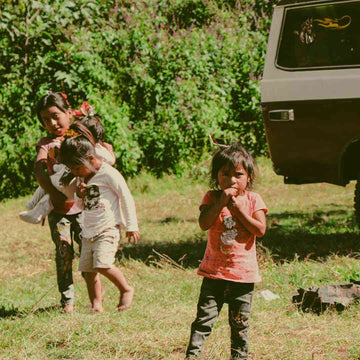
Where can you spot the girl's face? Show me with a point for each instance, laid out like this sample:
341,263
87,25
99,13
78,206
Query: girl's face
233,177
55,120
85,172
80,171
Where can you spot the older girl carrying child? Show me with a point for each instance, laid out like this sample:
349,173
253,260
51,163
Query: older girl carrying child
55,114
40,204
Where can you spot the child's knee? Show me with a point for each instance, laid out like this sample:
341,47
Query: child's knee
87,275
238,320
65,250
102,270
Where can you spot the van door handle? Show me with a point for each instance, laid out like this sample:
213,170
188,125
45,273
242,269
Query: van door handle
281,115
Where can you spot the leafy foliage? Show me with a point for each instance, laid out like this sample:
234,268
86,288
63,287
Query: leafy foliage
163,73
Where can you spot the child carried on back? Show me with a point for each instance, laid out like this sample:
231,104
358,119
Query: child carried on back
40,204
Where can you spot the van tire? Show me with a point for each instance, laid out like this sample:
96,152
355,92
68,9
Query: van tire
357,201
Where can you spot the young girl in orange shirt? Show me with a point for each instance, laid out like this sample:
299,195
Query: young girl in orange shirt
234,216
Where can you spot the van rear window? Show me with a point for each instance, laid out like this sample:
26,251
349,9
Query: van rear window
320,36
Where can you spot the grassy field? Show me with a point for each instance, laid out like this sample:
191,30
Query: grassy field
311,240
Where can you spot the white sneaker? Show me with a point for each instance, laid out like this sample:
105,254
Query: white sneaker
39,212
38,194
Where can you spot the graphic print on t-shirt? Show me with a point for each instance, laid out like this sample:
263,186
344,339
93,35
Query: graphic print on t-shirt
66,177
92,197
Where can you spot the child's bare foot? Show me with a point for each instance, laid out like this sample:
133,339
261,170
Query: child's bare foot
96,310
68,309
96,307
126,299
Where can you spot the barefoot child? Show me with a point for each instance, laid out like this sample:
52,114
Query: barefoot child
108,205
234,217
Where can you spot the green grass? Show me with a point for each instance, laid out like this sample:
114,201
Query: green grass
311,240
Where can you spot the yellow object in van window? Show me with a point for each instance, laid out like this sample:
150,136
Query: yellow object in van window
334,24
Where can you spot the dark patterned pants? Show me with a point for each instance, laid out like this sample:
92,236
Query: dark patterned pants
65,229
213,295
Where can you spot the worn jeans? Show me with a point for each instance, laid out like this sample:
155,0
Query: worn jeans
65,229
213,295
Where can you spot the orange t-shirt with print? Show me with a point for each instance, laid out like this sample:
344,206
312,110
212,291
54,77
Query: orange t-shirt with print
228,259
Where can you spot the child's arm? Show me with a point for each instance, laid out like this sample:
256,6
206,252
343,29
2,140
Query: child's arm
135,235
40,170
111,158
80,189
210,213
127,201
255,224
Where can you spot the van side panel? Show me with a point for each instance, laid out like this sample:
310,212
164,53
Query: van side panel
309,148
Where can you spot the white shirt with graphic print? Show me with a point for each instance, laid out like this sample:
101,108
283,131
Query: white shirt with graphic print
107,203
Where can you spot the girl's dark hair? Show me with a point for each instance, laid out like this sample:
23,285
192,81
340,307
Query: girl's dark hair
76,150
52,99
94,124
232,155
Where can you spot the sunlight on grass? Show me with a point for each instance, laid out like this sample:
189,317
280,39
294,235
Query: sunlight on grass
311,241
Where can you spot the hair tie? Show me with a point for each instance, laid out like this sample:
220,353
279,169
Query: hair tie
65,98
71,133
85,110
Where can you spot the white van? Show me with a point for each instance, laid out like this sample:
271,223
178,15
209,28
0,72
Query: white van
310,92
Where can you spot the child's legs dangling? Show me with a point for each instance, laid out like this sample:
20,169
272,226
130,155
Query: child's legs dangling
39,212
210,302
38,194
239,298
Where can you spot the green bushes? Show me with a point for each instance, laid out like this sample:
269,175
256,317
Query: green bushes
164,74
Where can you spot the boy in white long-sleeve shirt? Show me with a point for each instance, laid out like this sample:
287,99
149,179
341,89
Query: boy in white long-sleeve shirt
108,205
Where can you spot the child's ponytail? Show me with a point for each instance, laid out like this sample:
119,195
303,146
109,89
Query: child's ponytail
92,120
79,128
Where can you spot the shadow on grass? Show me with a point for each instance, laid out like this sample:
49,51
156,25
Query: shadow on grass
289,235
13,312
171,219
187,253
311,235
315,235
285,246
